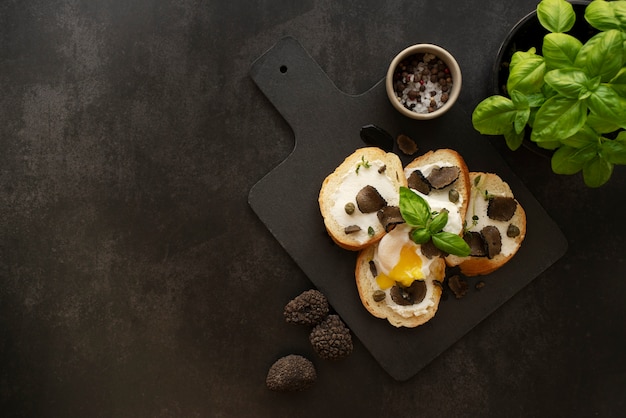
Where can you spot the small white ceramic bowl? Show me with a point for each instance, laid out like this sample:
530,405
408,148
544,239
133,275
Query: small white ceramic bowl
404,91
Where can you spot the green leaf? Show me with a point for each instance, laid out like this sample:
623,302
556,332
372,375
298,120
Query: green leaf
607,104
601,15
601,125
413,208
560,50
597,172
558,118
568,160
494,115
570,83
618,83
619,11
438,222
420,235
514,139
451,243
527,74
556,15
523,111
602,55
519,56
585,136
614,150
535,99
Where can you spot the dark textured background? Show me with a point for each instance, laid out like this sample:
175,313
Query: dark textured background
136,281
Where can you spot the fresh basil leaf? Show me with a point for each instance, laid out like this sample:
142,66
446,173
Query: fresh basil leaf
558,118
597,172
494,115
527,74
521,118
569,83
438,222
550,145
601,16
514,139
519,100
535,99
614,150
585,136
519,56
601,125
618,83
602,55
568,160
559,50
556,15
451,244
413,208
619,11
605,101
523,110
420,235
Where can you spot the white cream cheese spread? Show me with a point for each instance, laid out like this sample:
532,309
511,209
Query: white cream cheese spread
388,256
478,206
439,199
359,176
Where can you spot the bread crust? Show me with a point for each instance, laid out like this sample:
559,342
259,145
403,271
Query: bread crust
493,184
393,177
366,285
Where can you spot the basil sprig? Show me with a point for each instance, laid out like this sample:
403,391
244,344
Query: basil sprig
572,98
427,225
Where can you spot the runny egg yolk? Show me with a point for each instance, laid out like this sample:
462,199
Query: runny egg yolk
407,270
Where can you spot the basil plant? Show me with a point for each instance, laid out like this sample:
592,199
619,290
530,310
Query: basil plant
572,98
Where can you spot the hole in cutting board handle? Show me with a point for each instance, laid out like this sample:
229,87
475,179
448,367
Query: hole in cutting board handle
283,69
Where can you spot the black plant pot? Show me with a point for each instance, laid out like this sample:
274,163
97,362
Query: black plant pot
528,33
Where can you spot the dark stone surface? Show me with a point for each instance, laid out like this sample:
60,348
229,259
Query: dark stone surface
136,281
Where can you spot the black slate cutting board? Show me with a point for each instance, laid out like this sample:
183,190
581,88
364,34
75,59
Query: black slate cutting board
326,124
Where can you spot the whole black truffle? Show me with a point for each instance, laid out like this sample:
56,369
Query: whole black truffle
291,373
308,308
331,339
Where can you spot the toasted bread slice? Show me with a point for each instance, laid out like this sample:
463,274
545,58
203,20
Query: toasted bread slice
368,268
442,193
370,166
491,197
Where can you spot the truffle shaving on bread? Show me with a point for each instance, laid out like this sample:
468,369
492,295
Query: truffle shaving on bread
441,177
397,281
359,200
495,226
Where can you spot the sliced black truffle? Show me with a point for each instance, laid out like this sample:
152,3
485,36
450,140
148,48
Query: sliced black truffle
441,177
331,339
369,200
350,229
292,373
406,144
308,308
429,250
493,240
458,285
501,208
418,182
373,268
390,216
409,295
476,243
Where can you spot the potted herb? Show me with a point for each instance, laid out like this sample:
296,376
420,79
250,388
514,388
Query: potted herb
571,98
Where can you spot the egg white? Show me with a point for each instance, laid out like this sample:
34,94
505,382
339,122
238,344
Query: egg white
387,255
